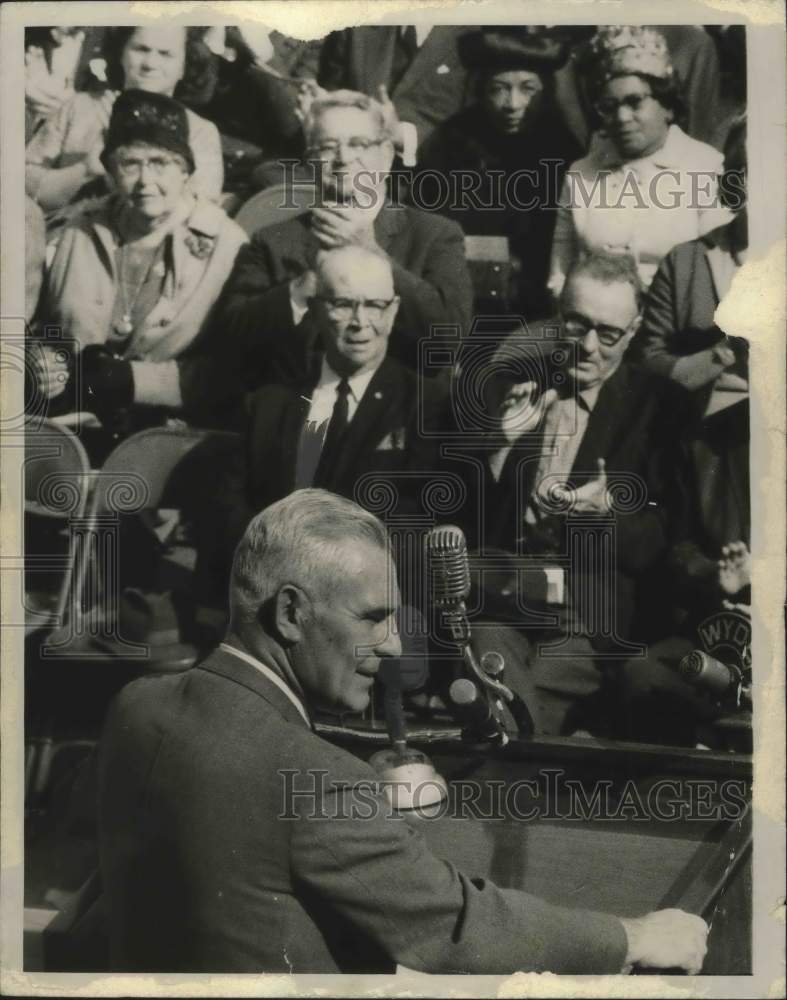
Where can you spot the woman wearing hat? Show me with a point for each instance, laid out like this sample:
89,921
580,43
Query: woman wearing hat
511,128
64,157
644,185
134,278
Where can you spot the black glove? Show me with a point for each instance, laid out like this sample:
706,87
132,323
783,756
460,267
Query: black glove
106,384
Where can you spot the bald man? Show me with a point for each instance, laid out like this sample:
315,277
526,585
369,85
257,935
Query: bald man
355,411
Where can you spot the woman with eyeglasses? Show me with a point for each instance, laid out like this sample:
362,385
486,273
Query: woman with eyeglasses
496,167
644,185
134,279
63,159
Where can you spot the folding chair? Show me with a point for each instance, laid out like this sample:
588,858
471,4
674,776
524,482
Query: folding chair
155,469
57,481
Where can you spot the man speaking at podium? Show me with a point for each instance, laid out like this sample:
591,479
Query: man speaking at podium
208,865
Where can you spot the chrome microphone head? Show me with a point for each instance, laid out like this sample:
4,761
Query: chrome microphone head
449,570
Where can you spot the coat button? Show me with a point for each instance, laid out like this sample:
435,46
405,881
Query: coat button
494,293
496,268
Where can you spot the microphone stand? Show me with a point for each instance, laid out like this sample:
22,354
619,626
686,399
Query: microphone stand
489,674
409,777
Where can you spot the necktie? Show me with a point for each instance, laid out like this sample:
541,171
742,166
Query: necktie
337,426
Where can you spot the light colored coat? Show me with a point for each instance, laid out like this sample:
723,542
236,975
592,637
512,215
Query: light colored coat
81,286
643,207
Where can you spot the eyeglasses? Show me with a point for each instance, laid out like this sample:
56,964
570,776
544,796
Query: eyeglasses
577,327
343,309
131,166
356,148
609,107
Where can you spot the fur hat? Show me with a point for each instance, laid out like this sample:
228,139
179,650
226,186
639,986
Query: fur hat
155,119
506,47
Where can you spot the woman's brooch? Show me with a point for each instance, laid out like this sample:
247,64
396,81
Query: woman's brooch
200,246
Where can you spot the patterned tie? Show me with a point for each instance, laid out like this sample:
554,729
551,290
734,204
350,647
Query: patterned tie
337,426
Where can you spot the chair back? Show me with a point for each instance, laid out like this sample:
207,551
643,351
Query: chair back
57,470
275,204
57,483
160,467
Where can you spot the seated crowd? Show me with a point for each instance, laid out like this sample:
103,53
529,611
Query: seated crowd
591,417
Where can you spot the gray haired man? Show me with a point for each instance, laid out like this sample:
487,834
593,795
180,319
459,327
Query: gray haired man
350,147
235,839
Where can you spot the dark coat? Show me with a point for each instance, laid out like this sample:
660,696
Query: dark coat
383,436
432,88
632,427
202,875
710,508
678,331
468,142
429,271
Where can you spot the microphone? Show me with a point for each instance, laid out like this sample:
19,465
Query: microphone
474,711
703,671
449,579
449,588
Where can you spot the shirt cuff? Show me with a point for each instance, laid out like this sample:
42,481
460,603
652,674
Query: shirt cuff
409,134
157,383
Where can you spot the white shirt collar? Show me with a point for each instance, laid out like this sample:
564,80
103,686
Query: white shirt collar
358,383
421,32
272,676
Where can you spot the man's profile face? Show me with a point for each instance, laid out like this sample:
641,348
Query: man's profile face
355,308
599,313
351,628
354,157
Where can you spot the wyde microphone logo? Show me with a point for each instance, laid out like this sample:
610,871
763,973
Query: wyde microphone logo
727,634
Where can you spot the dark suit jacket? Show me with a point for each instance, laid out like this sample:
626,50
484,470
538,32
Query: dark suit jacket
677,323
383,436
432,89
429,270
202,875
631,427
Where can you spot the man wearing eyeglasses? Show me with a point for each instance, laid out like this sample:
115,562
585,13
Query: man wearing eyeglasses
355,410
349,138
593,433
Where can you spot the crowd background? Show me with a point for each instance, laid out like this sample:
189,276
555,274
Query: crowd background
195,231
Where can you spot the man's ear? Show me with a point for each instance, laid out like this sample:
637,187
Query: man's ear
291,609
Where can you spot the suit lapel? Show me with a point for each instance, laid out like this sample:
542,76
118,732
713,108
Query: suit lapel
426,60
608,417
237,670
388,224
372,420
377,52
294,414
